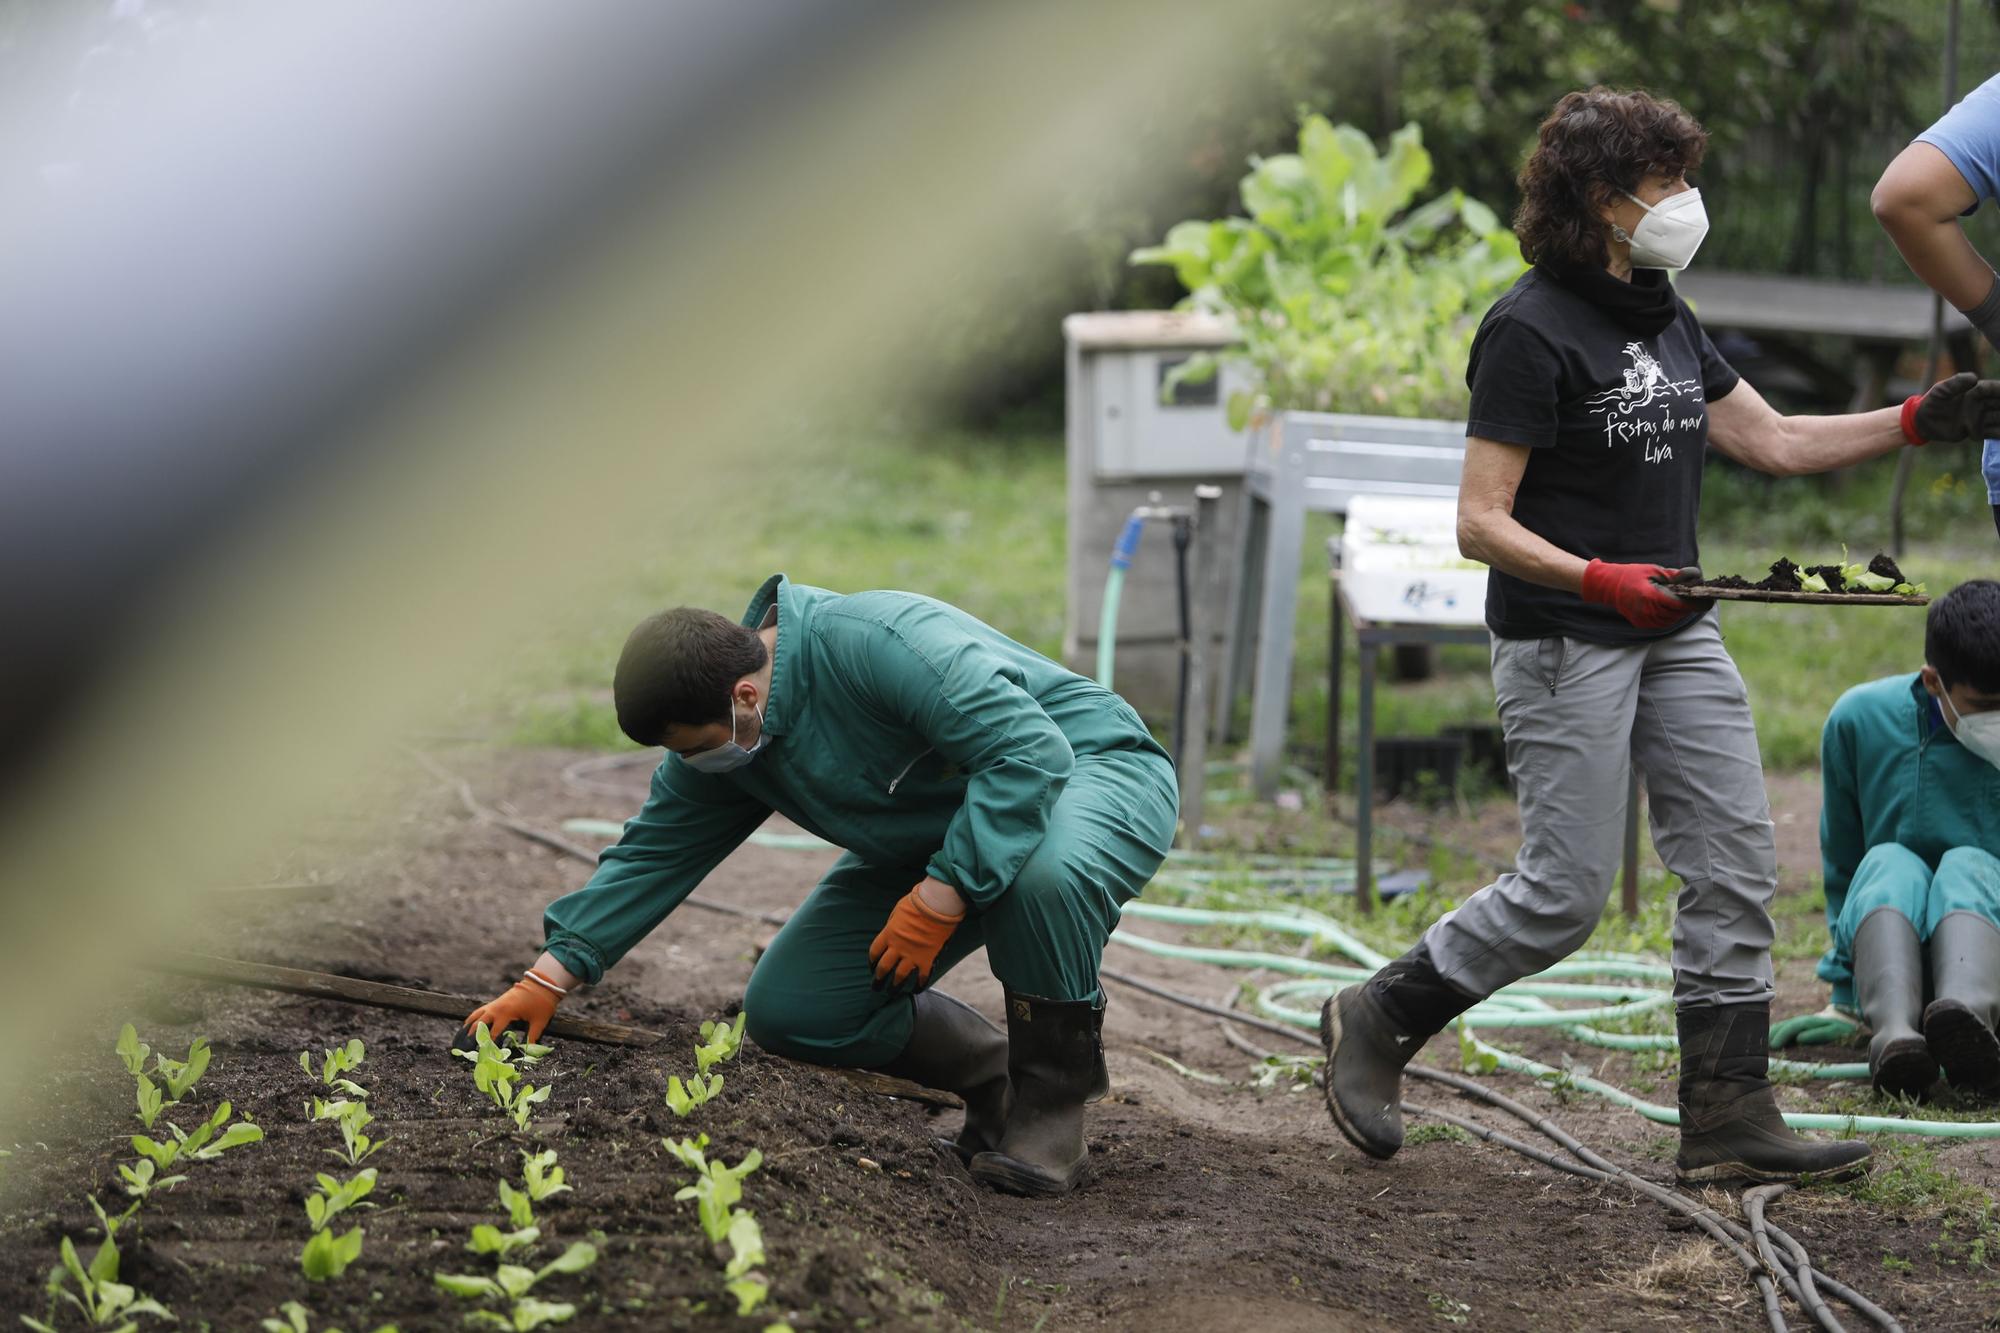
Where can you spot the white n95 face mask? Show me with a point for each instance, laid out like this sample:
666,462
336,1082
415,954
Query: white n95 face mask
1670,233
1979,733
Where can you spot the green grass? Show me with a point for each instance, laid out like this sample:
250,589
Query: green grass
978,520
1908,1181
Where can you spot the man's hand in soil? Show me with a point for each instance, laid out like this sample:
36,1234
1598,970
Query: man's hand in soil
908,945
1630,590
531,1000
1963,407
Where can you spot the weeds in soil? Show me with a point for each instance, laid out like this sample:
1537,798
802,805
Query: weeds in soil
1449,1310
1909,1181
1435,1133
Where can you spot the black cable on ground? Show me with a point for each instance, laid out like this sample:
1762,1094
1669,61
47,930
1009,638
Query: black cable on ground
1754,1202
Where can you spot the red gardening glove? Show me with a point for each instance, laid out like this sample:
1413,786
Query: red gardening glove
528,1000
1630,591
908,945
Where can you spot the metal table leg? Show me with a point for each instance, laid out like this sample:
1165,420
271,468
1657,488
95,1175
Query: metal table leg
1364,781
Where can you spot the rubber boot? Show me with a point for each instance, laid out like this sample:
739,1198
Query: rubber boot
1370,1032
1889,983
956,1048
1730,1125
1965,975
1055,1053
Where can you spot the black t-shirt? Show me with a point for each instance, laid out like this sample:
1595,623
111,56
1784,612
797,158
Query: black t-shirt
1618,421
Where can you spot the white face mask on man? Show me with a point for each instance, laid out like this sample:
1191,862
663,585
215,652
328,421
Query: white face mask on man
1979,733
1670,233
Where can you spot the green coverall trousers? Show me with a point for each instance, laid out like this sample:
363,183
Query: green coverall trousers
812,995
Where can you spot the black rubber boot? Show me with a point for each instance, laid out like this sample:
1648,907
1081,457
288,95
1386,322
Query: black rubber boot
956,1048
1055,1058
1370,1032
1889,983
1730,1125
1965,975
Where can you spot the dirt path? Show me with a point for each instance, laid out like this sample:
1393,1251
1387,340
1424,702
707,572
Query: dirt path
1211,1207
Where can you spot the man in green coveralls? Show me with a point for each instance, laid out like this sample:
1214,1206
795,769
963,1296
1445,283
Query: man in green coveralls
984,796
1910,833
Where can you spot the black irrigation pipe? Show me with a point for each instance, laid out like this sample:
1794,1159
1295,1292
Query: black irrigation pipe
1754,1201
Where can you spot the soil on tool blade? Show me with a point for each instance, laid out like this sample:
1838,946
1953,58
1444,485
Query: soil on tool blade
1211,1206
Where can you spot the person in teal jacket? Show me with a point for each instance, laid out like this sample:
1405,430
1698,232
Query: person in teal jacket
1910,835
984,796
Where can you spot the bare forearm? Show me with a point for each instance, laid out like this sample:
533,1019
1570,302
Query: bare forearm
556,972
1496,537
1824,444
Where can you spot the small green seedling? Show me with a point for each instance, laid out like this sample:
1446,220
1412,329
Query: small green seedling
327,1255
527,1313
495,1073
746,1243
132,1051
354,1119
748,1291
142,1178
298,1319
151,1101
110,1222
719,1042
519,1205
334,1197
180,1076
542,1176
511,1282
718,1186
203,1145
527,1052
489,1239
684,1097
335,1063
105,1301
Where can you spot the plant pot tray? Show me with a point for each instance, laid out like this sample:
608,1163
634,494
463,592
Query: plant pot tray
1704,592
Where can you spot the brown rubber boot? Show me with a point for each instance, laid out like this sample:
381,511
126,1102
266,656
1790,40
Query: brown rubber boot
1889,985
955,1048
1731,1128
1370,1032
1965,973
1055,1059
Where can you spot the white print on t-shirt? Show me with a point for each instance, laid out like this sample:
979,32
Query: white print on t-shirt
1648,406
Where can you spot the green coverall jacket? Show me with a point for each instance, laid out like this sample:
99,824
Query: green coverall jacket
901,729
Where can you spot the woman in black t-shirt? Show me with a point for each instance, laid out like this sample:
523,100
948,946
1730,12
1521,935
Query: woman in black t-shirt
1595,397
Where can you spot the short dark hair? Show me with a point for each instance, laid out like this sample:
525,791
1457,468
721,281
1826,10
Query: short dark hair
1594,145
676,669
1962,636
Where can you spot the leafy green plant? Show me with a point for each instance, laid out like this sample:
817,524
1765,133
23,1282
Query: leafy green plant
132,1051
541,1175
141,1178
719,1042
717,1188
684,1097
180,1076
334,1197
205,1143
496,1073
104,1300
298,1319
353,1119
489,1239
334,1064
1344,297
519,1205
110,1222
513,1283
327,1256
151,1102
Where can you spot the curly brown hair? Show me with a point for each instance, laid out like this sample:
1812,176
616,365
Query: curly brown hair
1593,146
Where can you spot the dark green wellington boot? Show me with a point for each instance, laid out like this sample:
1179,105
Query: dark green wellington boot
1730,1125
1889,983
1965,975
956,1048
1370,1032
1055,1055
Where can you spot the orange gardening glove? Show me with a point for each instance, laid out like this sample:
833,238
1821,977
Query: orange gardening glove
908,945
531,1000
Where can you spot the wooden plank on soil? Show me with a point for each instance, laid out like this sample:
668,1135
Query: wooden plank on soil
353,990
888,1085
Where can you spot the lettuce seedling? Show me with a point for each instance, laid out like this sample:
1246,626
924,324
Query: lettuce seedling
495,1073
746,1243
132,1051
684,1097
526,1314
718,1187
354,1119
334,1197
105,1301
511,1282
327,1255
520,1208
180,1076
489,1239
541,1175
139,1178
720,1041
748,1291
202,1145
335,1063
297,1319
151,1102
108,1221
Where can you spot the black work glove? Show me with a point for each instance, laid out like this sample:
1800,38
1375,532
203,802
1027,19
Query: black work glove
1963,407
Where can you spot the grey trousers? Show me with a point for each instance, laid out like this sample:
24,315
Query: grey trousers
1576,715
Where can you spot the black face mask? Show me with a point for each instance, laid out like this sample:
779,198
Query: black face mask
1643,306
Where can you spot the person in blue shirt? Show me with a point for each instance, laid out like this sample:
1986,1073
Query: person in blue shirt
1945,174
1910,836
